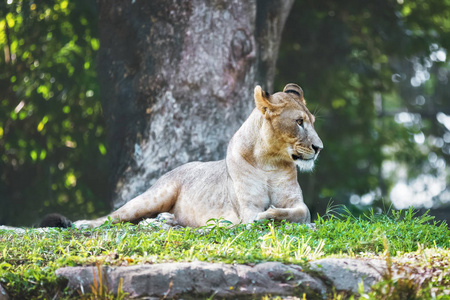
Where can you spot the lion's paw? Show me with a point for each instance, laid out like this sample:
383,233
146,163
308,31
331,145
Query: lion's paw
82,224
312,226
168,218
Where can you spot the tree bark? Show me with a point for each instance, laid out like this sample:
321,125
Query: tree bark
177,80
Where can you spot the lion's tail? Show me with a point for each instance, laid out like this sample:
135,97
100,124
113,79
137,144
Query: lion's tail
55,220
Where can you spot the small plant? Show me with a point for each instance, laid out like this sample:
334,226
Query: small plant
395,287
100,290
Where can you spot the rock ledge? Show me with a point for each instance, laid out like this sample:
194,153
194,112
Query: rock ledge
194,279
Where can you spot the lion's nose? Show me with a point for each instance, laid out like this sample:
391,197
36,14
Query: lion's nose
316,148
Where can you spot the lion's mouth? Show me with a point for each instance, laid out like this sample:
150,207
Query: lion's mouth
303,161
296,157
299,157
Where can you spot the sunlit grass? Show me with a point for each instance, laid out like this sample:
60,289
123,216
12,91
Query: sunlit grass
28,260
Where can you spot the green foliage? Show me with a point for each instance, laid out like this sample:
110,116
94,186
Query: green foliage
393,225
28,260
52,137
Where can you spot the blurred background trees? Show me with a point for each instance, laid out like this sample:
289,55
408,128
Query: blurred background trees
376,75
52,134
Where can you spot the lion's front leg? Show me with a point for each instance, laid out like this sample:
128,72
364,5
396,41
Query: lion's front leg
299,214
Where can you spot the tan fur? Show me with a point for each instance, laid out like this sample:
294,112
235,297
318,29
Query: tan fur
257,179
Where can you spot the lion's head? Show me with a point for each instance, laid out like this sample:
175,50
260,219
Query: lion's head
289,126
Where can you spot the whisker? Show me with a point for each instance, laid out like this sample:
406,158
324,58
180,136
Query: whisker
317,110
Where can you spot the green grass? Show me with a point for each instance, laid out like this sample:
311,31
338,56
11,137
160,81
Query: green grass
28,260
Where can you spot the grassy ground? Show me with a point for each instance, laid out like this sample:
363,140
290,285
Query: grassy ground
28,260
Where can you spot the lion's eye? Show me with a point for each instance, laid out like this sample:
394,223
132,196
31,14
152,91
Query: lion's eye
300,122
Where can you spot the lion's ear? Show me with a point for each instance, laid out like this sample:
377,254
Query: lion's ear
262,100
292,88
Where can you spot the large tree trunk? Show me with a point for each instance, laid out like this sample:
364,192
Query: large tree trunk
177,80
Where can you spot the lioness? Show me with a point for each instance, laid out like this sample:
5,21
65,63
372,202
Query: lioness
257,179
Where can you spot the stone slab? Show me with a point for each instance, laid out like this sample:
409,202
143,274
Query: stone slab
200,279
346,273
